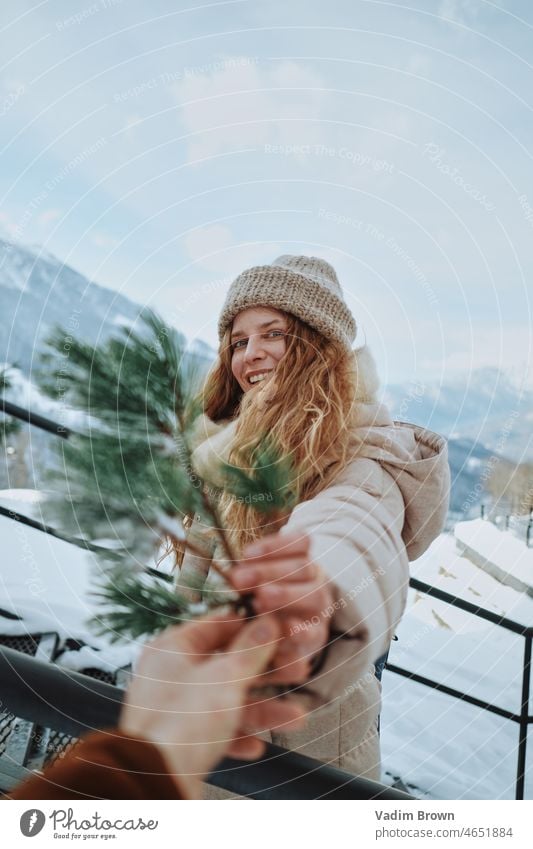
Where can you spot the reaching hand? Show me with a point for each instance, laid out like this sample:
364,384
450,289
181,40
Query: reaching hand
195,704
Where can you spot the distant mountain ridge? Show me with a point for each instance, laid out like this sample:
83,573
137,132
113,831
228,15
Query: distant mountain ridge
39,291
487,408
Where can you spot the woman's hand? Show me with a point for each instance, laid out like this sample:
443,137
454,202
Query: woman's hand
283,580
190,694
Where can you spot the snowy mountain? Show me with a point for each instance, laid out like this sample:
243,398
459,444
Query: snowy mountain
470,465
484,416
486,407
38,291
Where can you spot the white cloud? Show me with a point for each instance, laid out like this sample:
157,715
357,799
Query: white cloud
214,248
463,12
132,121
244,101
47,218
419,63
8,226
104,240
508,347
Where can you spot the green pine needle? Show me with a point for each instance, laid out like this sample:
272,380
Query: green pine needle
271,485
142,380
130,468
137,605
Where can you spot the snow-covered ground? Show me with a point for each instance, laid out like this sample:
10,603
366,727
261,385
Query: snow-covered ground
501,554
447,749
50,584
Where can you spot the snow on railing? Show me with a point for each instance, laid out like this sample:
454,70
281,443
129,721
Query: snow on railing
521,526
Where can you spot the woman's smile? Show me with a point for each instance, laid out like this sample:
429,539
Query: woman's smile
258,342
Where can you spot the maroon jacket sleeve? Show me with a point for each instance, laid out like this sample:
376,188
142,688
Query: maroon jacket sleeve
107,764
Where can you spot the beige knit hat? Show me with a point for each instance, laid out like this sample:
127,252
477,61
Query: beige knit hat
305,286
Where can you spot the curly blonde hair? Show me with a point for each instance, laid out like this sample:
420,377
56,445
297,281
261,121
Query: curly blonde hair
310,415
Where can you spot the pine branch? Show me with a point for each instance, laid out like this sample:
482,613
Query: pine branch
137,605
137,609
127,480
138,392
270,487
205,555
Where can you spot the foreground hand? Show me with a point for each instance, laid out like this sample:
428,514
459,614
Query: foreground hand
191,702
283,579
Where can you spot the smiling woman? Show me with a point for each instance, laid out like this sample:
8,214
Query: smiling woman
370,494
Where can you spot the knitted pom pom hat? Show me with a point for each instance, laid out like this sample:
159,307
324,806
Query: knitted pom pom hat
305,286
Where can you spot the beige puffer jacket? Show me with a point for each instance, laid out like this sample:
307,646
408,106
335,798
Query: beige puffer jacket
383,510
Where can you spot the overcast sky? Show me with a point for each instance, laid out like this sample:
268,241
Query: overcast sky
161,151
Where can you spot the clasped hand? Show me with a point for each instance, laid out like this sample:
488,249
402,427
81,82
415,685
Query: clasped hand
283,580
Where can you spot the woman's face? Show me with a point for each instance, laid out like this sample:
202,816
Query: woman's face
257,344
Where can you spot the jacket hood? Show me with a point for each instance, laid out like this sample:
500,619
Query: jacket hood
416,458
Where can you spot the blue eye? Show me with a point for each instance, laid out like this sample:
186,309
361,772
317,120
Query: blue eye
240,343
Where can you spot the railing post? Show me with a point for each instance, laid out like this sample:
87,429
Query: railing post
524,725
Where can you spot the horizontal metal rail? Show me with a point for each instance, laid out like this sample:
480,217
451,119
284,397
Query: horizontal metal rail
110,554
32,418
458,694
475,610
75,704
79,542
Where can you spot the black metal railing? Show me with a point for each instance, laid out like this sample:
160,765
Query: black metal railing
35,419
523,718
76,704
